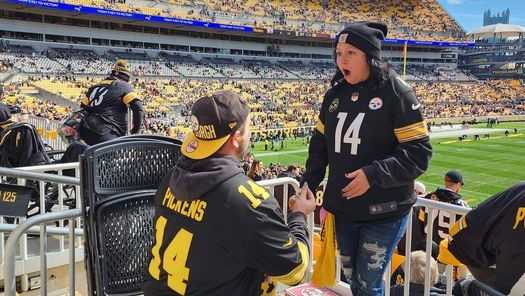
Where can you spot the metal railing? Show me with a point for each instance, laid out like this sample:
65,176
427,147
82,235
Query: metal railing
48,131
28,226
270,185
432,208
12,242
40,176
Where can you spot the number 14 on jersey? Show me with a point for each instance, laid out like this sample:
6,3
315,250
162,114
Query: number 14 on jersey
351,136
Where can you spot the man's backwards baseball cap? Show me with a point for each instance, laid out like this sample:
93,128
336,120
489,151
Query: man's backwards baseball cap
214,119
454,177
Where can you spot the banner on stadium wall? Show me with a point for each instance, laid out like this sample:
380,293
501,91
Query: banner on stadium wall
430,43
128,15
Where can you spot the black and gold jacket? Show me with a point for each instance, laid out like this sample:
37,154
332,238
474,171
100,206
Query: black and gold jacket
219,233
379,129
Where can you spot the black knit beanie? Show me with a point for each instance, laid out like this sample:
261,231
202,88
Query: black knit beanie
366,36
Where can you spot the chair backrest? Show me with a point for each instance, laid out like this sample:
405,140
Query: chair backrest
125,235
119,179
127,164
153,137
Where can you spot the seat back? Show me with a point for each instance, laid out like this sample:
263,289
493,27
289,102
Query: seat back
119,179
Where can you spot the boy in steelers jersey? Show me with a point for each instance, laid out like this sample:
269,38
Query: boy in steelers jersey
373,138
216,231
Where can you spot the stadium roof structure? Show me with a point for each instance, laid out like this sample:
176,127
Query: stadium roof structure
498,30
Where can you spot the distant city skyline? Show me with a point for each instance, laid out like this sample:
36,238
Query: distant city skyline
469,13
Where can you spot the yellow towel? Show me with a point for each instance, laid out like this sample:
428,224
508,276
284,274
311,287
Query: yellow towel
325,268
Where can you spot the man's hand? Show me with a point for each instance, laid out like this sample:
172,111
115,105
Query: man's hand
358,185
303,202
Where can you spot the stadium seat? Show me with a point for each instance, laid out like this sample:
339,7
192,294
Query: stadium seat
153,137
477,288
119,179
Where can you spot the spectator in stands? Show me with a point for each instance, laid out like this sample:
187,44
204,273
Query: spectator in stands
233,236
450,194
70,135
418,265
107,104
490,240
292,172
20,144
255,172
453,182
373,162
420,189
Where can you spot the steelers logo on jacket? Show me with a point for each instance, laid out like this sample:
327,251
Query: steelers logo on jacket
375,103
334,105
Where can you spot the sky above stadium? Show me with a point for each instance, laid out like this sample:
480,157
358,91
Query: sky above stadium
469,13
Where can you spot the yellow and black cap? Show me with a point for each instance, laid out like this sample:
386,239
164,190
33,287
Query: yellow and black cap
214,119
121,70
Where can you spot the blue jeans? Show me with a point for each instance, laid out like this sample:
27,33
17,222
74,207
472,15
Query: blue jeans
366,249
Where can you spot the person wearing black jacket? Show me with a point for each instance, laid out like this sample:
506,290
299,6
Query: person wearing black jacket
216,231
20,144
373,138
490,241
450,194
107,105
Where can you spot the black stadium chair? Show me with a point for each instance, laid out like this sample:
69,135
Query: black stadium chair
154,137
475,288
119,179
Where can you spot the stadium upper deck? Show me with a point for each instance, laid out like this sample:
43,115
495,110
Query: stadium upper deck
412,19
416,19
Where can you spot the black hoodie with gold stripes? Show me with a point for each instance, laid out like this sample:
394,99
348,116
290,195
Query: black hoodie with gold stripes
219,233
379,129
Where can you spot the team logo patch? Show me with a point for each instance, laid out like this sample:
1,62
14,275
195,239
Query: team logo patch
355,97
343,37
334,105
375,104
192,147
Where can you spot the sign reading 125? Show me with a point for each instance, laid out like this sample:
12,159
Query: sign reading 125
8,196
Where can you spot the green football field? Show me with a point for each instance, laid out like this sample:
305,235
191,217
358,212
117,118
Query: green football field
488,166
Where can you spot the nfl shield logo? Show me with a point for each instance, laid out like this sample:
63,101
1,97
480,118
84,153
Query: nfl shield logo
355,97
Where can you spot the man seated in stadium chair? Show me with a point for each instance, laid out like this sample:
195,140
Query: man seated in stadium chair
106,105
75,148
69,133
490,240
450,194
217,231
417,277
20,144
